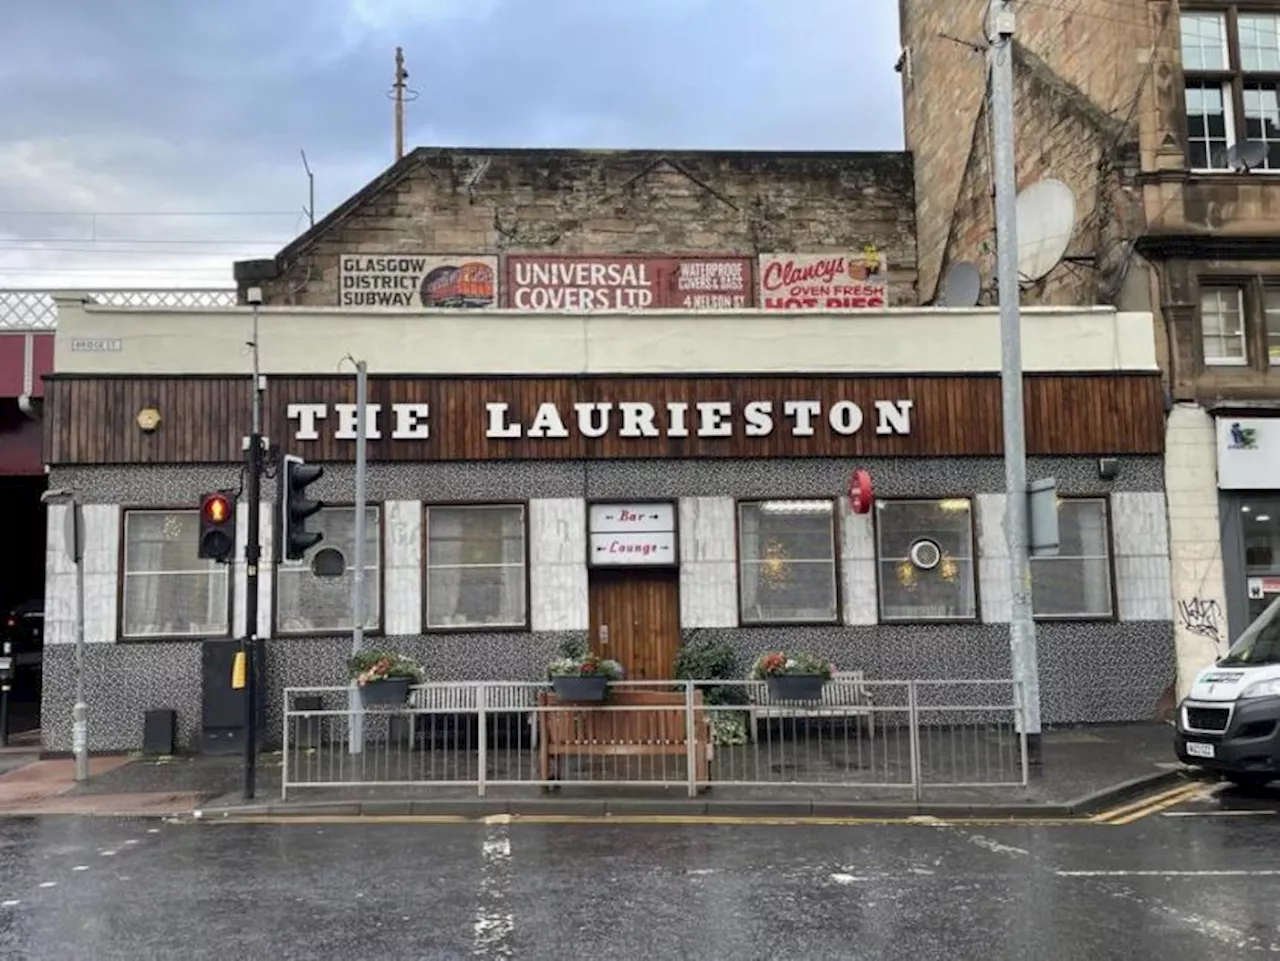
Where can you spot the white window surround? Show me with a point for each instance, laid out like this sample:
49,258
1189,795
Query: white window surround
1219,297
475,583
150,581
813,555
309,605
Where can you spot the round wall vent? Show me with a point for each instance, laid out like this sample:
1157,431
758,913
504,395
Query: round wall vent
925,554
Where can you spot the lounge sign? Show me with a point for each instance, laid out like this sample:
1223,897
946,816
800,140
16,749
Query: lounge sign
627,535
600,419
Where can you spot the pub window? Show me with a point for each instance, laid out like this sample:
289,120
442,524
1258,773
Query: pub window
1222,327
1231,63
787,562
307,603
475,570
167,590
1076,582
924,560
1271,311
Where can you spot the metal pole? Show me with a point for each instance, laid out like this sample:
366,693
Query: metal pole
357,578
252,555
1022,630
80,711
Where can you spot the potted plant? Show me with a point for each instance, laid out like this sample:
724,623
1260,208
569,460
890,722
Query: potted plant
792,677
706,659
384,677
579,675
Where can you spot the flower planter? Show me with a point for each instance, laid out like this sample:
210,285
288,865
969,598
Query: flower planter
394,690
580,687
795,687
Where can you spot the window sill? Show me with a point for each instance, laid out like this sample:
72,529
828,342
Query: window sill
522,628
748,625
926,621
1075,618
320,633
1226,362
168,638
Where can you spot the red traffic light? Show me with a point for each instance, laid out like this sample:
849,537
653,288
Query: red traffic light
216,509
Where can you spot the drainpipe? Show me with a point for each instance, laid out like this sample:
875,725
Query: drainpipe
26,403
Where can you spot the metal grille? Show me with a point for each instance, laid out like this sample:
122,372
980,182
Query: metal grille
1208,718
35,310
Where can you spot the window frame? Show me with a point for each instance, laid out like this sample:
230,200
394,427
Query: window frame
837,565
1269,285
1240,286
122,575
976,617
424,582
1114,615
1232,79
379,628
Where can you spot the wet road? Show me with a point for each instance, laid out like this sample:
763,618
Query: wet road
1198,880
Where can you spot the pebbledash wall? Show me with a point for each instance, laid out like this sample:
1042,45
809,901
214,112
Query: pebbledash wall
1092,389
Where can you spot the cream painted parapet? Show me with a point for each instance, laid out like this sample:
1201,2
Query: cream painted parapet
1195,541
708,562
94,339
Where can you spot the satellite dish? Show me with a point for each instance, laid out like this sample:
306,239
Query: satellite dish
1248,155
1046,221
961,286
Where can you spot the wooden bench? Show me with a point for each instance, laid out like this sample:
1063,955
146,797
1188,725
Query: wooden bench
845,695
569,729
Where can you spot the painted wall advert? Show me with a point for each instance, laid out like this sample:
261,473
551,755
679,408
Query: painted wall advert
558,283
837,281
417,280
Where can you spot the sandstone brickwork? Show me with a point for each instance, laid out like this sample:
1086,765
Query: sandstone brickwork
615,202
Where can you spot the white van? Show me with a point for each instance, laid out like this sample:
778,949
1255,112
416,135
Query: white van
1230,721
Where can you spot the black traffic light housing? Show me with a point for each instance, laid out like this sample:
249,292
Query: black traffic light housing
296,475
217,527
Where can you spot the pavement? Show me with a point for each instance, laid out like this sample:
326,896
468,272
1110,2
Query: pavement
1195,879
1086,770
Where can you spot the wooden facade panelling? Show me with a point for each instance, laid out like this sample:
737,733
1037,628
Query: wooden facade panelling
92,420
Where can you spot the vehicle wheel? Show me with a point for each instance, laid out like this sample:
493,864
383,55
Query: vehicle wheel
1248,778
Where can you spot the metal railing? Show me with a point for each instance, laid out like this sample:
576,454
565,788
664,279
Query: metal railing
35,309
893,735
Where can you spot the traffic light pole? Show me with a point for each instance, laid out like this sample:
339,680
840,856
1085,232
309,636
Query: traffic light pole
252,555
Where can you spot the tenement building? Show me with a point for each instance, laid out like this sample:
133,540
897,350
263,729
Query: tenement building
1159,121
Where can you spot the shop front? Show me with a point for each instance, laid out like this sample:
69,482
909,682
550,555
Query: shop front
636,508
1248,464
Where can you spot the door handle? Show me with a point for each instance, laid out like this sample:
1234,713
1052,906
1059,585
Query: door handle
604,634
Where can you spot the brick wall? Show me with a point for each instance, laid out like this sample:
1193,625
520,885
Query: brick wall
1079,86
583,202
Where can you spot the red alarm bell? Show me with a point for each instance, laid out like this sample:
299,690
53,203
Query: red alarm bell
861,496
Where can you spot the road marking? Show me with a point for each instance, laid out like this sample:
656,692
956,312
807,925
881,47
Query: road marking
81,867
1216,814
494,921
619,819
48,884
12,903
1225,873
1129,813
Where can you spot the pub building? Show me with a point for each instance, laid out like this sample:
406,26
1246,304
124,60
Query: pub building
637,479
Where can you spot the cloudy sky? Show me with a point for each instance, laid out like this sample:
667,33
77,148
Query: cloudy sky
151,143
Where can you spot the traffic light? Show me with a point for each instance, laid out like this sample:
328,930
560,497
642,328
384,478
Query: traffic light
217,527
295,477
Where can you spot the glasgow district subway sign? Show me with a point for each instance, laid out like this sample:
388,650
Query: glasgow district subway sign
596,419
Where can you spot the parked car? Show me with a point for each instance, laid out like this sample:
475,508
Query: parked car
24,632
1229,723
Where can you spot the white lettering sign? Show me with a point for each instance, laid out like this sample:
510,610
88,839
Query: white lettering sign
596,419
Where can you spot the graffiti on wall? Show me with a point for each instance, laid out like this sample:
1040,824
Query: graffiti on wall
1203,617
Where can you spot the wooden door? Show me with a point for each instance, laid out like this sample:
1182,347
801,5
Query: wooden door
635,619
